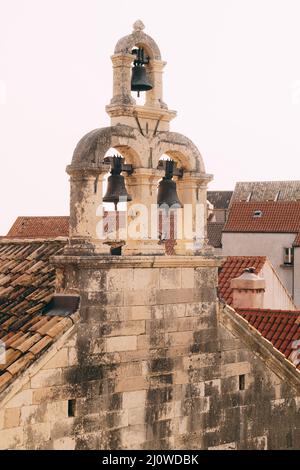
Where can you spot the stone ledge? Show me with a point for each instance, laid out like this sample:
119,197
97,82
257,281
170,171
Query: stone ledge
110,261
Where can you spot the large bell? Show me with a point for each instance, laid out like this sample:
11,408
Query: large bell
139,79
116,189
167,193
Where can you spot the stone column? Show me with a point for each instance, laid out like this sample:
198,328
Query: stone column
85,201
122,64
142,213
192,218
154,97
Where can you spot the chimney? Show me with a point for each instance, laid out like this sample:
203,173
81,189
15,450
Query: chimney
248,290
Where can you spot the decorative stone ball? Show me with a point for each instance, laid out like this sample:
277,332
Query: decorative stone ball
138,25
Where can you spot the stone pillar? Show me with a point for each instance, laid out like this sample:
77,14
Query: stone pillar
248,290
154,97
85,201
122,64
192,193
142,213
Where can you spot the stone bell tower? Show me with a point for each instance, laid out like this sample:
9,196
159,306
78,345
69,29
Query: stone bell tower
143,314
141,134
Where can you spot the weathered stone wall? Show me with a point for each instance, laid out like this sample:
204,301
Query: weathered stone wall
151,365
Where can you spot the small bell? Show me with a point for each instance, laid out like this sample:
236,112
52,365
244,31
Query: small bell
116,189
167,193
139,79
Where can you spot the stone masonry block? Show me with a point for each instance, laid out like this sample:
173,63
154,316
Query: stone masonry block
170,278
128,384
144,298
20,399
11,438
60,359
47,378
239,368
131,327
121,343
136,312
134,399
146,279
187,278
120,279
12,417
65,443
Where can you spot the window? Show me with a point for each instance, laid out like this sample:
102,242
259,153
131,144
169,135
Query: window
71,407
288,256
257,213
242,382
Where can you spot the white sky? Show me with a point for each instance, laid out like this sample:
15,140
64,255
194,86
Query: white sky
233,75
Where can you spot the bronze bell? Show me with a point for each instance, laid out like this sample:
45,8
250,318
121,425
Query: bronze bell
167,193
116,189
139,79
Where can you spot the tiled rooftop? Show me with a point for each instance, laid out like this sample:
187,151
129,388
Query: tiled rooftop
214,234
26,286
39,227
281,328
219,199
267,217
233,267
266,191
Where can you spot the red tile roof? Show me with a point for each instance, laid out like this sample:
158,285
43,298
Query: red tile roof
297,240
280,216
233,267
39,227
280,327
27,282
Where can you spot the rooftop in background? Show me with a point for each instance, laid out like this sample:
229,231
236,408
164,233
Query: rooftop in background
39,227
219,199
281,328
268,217
266,191
214,233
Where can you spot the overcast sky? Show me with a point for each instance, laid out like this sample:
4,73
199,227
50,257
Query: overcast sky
233,75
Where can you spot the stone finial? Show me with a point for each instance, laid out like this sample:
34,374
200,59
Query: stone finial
138,25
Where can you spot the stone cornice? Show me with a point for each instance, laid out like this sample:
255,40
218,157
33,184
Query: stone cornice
260,346
109,261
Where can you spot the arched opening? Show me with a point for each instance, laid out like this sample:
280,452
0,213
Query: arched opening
168,203
114,210
141,80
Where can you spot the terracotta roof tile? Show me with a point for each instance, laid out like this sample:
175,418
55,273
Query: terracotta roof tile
233,267
27,282
280,327
275,217
39,227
